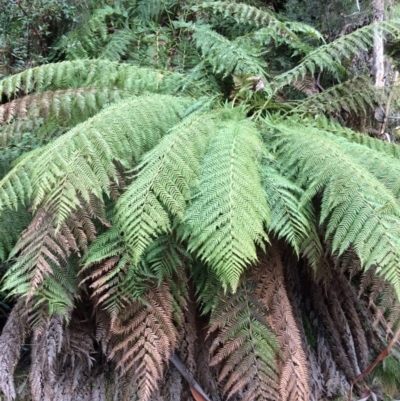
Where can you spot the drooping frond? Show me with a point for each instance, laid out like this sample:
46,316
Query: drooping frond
227,216
81,163
290,219
11,341
47,340
332,126
327,57
146,336
294,380
358,210
16,185
90,73
244,349
65,107
39,250
355,95
116,281
162,186
384,167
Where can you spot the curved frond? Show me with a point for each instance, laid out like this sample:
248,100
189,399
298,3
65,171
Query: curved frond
226,56
65,107
354,95
290,218
81,163
162,186
357,209
227,216
90,73
250,15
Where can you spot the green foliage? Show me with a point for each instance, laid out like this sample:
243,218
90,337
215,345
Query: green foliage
223,229
28,29
147,172
357,209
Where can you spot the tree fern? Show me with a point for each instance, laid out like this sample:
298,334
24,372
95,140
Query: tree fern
223,229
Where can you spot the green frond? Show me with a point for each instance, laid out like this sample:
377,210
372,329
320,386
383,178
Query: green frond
16,185
227,216
250,15
113,278
162,186
290,218
327,57
117,45
151,9
355,95
357,209
329,125
225,56
90,73
12,223
384,167
81,163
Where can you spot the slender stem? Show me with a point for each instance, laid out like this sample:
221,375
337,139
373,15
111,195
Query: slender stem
385,353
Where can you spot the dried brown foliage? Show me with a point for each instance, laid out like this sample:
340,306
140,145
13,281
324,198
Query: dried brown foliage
147,337
244,349
11,340
294,379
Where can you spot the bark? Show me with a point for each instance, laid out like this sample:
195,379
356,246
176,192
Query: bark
378,54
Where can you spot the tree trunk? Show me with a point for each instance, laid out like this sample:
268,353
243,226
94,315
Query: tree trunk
378,59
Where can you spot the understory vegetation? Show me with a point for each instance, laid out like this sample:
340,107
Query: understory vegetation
199,201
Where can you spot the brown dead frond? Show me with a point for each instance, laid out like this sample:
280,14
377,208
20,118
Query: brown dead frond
244,348
146,337
47,343
294,379
11,341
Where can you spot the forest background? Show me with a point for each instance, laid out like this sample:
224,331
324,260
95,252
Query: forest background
199,200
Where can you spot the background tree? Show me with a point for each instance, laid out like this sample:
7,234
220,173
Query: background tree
184,187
